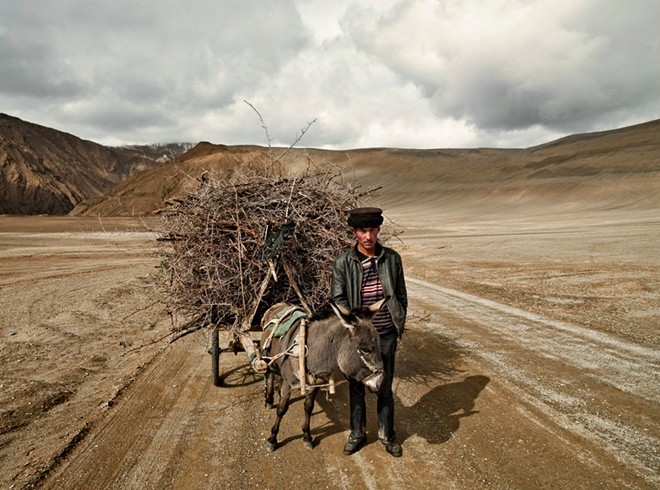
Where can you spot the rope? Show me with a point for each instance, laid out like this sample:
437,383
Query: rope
288,352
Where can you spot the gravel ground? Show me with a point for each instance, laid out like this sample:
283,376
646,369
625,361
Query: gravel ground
530,362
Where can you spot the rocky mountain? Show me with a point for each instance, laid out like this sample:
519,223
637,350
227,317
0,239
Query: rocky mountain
161,152
149,190
618,168
45,171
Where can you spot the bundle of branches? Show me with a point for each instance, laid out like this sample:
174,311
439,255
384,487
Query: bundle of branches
234,247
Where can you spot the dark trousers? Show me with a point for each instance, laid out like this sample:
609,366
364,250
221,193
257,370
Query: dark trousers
385,403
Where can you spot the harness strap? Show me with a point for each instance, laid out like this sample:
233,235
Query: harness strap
290,351
281,316
364,360
281,323
302,334
301,351
266,347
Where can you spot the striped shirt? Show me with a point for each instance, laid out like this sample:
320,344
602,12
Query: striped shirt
371,292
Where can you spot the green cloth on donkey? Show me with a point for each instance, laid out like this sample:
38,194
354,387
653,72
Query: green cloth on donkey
285,319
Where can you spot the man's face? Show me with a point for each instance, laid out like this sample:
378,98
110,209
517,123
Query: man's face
367,239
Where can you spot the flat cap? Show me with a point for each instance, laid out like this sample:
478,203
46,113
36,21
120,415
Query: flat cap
365,217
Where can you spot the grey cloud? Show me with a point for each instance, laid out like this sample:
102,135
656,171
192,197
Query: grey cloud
390,71
600,60
120,118
28,70
148,57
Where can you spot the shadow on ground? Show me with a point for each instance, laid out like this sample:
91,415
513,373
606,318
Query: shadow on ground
424,360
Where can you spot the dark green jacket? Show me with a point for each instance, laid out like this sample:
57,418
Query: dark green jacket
347,280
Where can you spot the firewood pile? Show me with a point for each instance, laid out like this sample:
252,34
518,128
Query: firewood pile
235,246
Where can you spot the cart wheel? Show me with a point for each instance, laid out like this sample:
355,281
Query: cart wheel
215,357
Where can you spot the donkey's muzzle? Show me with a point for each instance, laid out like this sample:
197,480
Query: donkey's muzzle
374,381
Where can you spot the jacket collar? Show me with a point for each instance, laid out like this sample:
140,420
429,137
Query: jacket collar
360,256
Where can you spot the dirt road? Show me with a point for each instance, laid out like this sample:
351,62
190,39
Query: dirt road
495,388
521,401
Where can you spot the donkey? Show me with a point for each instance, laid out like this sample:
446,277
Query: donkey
345,340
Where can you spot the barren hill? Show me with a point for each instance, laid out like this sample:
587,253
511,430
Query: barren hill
148,190
45,171
617,168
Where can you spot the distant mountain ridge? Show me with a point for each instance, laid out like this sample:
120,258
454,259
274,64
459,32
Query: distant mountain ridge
45,171
161,152
615,168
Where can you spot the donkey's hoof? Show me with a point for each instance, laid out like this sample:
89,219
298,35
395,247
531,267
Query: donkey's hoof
309,444
272,446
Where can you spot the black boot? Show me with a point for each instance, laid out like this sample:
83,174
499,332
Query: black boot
394,448
354,444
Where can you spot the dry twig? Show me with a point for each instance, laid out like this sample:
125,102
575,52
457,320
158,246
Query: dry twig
222,242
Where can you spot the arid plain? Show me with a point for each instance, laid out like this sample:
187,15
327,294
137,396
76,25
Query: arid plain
531,359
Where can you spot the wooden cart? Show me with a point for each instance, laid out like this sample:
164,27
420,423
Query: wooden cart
247,338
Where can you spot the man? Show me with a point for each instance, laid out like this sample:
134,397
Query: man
361,276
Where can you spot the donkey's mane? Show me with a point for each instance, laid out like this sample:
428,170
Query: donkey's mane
322,313
326,312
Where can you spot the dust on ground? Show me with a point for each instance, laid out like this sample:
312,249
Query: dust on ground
530,361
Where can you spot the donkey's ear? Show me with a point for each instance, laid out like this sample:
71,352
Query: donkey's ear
344,316
339,310
376,307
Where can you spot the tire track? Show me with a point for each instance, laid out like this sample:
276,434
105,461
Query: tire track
595,353
595,385
173,429
135,455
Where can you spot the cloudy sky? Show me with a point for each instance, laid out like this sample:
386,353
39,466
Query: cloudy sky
397,73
